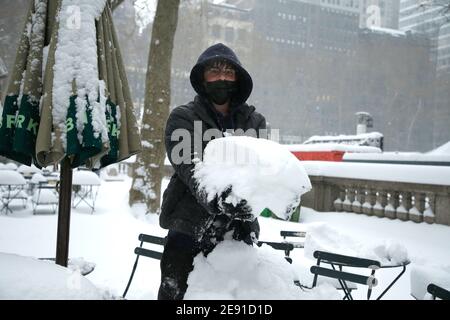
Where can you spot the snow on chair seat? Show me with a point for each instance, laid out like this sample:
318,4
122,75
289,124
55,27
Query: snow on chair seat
45,197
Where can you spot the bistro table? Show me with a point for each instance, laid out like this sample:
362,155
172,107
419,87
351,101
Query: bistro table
11,186
85,187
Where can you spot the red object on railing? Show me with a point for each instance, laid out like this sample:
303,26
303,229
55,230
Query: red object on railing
319,155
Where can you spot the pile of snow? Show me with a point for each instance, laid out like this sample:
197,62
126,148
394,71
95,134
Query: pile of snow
30,278
45,196
332,147
422,276
371,138
28,170
80,265
38,178
260,171
437,175
235,270
76,60
442,150
11,177
9,166
85,177
322,237
399,156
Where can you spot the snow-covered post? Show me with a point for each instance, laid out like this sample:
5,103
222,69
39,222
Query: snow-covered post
416,212
338,202
356,205
403,209
367,207
349,198
381,202
428,215
390,209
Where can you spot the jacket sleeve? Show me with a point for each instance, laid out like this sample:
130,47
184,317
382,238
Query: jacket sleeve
261,124
182,152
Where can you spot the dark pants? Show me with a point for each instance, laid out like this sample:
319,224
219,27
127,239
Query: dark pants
180,250
176,264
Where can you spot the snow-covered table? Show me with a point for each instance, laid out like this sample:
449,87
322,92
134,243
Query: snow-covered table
11,187
29,278
84,183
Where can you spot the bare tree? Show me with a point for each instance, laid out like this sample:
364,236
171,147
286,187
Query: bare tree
149,166
444,6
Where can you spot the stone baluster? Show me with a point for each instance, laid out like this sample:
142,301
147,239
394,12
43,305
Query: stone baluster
390,209
403,209
416,211
367,207
359,199
380,204
349,198
338,202
428,215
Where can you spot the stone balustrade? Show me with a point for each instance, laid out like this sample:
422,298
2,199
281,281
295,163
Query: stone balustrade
394,200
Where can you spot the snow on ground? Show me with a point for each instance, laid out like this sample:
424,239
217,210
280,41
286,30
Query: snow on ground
109,236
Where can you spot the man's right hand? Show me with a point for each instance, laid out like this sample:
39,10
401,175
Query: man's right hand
239,211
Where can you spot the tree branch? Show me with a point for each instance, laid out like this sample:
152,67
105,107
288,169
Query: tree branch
115,3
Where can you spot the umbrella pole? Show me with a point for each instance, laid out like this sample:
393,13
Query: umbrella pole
64,206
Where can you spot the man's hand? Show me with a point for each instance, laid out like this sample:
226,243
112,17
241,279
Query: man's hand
239,211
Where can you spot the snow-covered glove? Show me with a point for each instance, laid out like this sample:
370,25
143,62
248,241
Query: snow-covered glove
247,231
239,211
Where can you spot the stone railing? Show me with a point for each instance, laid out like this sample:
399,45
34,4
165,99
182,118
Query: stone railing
394,200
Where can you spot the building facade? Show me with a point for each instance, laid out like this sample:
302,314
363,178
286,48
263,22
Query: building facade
379,13
415,15
314,68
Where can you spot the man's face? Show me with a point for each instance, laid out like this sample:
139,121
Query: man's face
219,71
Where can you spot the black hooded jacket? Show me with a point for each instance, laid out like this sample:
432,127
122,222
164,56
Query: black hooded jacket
184,208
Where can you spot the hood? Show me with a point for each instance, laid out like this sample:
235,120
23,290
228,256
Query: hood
221,51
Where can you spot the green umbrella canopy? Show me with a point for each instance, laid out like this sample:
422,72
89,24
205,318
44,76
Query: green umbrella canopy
79,105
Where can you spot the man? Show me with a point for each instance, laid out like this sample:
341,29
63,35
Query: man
196,225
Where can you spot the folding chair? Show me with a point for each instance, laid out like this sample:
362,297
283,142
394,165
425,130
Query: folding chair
340,261
86,194
140,251
438,292
10,194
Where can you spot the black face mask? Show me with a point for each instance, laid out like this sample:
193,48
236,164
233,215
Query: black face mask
220,91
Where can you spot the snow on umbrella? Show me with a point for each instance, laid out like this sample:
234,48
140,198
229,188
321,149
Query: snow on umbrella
87,111
78,110
20,114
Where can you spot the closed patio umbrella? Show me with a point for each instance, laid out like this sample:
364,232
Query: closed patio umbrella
77,109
